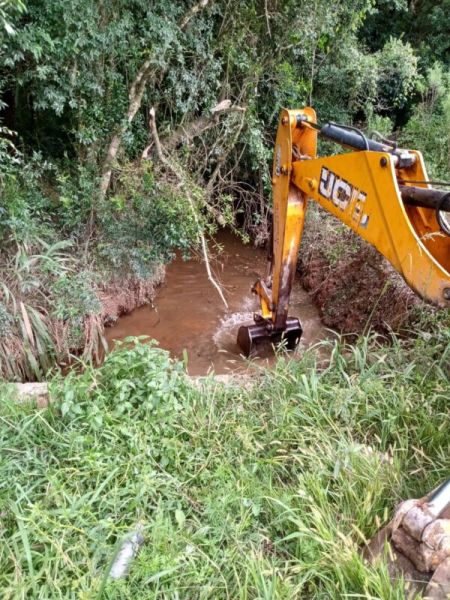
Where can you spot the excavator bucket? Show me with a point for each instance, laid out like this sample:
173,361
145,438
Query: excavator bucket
415,546
253,338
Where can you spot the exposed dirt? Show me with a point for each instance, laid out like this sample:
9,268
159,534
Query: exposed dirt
121,296
118,297
353,286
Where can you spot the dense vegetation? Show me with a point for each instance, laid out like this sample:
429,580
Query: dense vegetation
266,492
132,129
87,185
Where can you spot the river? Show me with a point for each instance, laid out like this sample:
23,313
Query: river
189,319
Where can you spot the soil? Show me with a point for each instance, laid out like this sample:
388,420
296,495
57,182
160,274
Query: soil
118,297
352,285
122,296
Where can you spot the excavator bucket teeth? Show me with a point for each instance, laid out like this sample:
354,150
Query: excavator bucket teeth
252,337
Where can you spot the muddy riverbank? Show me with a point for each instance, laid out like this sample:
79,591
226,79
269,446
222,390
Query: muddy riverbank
353,286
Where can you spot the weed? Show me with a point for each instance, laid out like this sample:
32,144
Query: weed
42,309
266,492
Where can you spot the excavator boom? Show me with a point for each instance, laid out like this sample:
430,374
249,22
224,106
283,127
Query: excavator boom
379,191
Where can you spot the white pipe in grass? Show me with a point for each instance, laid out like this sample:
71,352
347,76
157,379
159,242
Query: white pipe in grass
127,552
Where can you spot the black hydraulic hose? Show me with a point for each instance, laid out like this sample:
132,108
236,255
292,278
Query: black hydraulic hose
384,140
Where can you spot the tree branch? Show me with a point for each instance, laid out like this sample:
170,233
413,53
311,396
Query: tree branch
201,124
135,95
192,12
180,176
136,92
231,145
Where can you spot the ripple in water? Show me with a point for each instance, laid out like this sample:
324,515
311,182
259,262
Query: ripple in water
189,319
225,335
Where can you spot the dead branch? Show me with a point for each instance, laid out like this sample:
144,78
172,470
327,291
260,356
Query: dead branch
267,18
231,145
181,178
194,129
200,125
192,12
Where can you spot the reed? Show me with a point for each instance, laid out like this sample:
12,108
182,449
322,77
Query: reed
33,338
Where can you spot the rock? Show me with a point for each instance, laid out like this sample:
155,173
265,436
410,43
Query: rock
243,380
399,566
415,545
33,392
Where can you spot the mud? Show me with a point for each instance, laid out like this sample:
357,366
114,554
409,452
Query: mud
188,318
353,286
124,295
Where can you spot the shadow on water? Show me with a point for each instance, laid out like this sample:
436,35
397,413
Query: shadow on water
188,317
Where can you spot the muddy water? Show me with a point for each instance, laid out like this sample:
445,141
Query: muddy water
188,317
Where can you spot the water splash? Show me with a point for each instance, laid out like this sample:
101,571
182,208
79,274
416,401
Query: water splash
225,335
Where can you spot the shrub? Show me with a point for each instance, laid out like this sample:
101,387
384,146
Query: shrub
429,127
143,223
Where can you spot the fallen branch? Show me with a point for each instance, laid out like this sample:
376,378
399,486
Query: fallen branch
220,162
182,180
195,128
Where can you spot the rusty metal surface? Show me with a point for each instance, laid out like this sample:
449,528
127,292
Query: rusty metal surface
418,544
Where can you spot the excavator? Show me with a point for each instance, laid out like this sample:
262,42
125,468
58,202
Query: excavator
383,193
378,190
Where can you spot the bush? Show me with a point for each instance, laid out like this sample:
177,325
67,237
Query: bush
143,223
429,127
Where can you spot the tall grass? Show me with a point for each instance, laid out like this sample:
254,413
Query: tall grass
243,493
27,346
32,336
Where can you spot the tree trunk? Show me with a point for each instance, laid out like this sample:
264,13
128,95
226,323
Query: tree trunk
135,99
135,96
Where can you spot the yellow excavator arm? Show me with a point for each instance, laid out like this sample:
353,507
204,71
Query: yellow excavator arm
378,190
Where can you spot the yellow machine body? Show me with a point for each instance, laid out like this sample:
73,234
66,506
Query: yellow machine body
362,189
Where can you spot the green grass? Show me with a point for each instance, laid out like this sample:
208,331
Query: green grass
248,494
